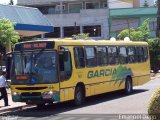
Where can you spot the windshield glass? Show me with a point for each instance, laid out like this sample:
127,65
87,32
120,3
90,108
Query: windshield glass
40,66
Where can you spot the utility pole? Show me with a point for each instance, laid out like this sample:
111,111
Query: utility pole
75,28
158,19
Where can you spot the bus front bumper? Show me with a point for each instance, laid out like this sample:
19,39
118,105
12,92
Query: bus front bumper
36,97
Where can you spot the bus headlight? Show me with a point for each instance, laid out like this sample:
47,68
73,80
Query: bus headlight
47,95
15,93
50,92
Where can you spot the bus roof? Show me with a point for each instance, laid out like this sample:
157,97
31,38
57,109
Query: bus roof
89,42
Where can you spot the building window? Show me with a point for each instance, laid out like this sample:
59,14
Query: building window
93,5
90,57
79,57
69,31
44,10
75,7
55,34
94,31
105,5
58,8
153,25
51,10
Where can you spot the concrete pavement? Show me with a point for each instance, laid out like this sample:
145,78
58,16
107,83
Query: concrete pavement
12,105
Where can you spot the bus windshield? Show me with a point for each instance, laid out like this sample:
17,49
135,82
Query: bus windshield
39,65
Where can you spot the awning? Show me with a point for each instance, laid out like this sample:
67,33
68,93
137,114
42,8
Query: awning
29,21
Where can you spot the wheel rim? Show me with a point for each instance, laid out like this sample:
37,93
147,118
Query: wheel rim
79,96
128,86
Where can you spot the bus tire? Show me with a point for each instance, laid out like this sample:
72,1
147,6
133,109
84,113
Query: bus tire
40,106
128,86
79,96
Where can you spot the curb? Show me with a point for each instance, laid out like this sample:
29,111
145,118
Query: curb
152,78
14,108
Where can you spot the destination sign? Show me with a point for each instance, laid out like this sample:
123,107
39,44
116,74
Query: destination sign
34,45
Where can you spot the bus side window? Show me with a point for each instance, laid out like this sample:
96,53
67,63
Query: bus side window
65,66
140,54
145,53
79,57
91,59
131,55
102,56
112,54
123,55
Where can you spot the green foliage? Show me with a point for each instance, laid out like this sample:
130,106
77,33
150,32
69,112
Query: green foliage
154,44
81,36
154,47
7,33
154,104
139,34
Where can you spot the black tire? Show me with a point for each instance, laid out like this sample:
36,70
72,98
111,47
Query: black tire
79,96
128,86
40,106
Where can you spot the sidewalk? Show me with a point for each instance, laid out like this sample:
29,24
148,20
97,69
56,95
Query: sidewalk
12,105
154,76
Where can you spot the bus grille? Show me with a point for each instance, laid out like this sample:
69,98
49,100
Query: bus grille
31,94
31,88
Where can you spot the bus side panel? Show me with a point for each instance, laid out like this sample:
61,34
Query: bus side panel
62,95
143,79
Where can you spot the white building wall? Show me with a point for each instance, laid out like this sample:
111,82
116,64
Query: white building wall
64,19
96,17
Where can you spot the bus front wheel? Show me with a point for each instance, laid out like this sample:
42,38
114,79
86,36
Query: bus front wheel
39,106
128,86
79,96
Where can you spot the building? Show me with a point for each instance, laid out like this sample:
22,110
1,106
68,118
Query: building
74,16
81,16
124,18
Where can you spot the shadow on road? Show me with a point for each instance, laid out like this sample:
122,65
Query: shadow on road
60,108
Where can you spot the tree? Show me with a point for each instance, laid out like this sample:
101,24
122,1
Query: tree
8,36
158,19
139,34
81,36
154,47
11,2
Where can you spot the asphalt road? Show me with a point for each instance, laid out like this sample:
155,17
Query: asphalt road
108,106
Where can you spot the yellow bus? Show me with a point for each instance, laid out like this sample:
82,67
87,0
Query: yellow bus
51,71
